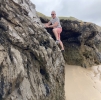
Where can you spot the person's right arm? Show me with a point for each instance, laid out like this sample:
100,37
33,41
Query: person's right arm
47,24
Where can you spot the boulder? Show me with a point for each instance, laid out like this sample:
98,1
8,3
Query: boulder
82,41
31,64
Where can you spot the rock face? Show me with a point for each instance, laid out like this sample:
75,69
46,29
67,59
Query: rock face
82,41
31,65
79,39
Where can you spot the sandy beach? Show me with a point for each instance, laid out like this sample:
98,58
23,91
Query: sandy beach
82,84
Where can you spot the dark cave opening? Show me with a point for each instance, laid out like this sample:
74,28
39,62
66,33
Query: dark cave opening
69,36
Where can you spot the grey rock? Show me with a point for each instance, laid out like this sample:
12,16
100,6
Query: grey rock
30,67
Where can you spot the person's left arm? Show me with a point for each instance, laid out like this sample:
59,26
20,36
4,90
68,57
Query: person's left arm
54,25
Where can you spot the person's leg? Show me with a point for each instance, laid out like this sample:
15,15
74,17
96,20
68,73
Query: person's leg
60,42
55,33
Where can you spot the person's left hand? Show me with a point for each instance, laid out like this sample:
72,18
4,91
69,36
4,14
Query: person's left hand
48,26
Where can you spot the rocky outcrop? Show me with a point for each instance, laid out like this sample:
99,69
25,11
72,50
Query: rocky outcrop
82,41
31,64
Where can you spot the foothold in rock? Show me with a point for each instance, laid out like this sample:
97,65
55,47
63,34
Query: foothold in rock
3,26
47,89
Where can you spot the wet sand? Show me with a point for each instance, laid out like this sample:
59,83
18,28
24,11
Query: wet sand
82,84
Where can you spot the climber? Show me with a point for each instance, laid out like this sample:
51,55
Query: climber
57,29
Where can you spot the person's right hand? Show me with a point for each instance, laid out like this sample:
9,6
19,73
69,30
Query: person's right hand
46,25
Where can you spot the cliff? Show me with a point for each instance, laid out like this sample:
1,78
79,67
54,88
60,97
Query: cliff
82,41
31,64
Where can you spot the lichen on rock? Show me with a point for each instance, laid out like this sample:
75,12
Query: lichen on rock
31,64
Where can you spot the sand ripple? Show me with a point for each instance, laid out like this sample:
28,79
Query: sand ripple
83,84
